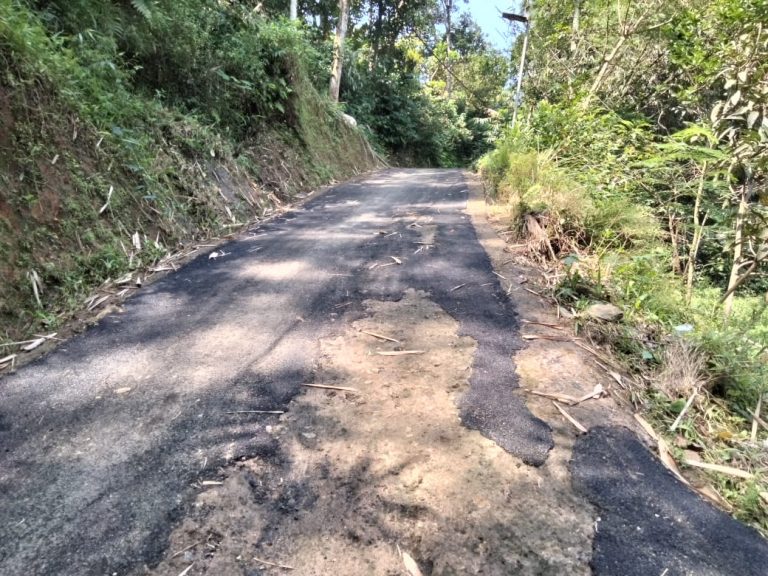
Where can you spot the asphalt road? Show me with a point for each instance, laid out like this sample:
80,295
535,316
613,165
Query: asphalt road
101,440
650,522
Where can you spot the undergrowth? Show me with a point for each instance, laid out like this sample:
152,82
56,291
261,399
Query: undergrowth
583,208
125,135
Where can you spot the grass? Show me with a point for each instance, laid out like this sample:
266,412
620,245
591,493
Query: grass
180,169
611,248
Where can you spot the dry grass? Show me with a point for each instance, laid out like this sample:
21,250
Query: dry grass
682,370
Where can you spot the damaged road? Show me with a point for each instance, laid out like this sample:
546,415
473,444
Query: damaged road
181,434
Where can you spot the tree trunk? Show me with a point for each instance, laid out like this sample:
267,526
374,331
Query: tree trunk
676,268
448,31
338,50
738,249
521,72
626,31
377,31
698,232
575,26
294,9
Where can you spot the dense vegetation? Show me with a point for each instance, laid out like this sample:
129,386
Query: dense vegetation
639,165
128,127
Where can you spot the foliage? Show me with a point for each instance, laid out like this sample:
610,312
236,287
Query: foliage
644,138
124,120
395,83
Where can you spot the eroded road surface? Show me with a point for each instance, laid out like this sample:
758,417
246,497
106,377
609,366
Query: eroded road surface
180,435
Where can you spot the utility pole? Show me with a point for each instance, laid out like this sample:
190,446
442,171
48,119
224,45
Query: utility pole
525,19
294,9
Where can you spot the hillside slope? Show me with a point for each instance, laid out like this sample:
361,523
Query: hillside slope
125,140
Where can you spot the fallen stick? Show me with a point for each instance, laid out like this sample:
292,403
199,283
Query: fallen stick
647,428
555,326
97,303
8,359
661,444
327,387
381,336
729,470
32,345
714,496
109,197
613,374
685,409
457,287
39,341
268,563
410,564
570,418
536,293
760,421
256,412
400,352
500,276
596,393
755,416
553,395
543,337
180,552
752,416
186,570
19,343
666,458
595,353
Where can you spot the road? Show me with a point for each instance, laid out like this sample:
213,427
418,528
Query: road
102,439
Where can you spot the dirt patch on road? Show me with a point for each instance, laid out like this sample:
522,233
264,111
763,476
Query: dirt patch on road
364,477
552,362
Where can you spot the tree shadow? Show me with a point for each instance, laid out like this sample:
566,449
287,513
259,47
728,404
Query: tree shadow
102,438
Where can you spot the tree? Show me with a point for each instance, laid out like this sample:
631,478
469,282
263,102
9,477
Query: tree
448,5
338,50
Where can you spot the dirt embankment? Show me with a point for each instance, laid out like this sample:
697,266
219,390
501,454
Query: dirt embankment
80,207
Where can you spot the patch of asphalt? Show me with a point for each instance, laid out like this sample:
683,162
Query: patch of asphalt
103,441
458,275
650,522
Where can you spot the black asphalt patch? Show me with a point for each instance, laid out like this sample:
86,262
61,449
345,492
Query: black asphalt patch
102,440
650,522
